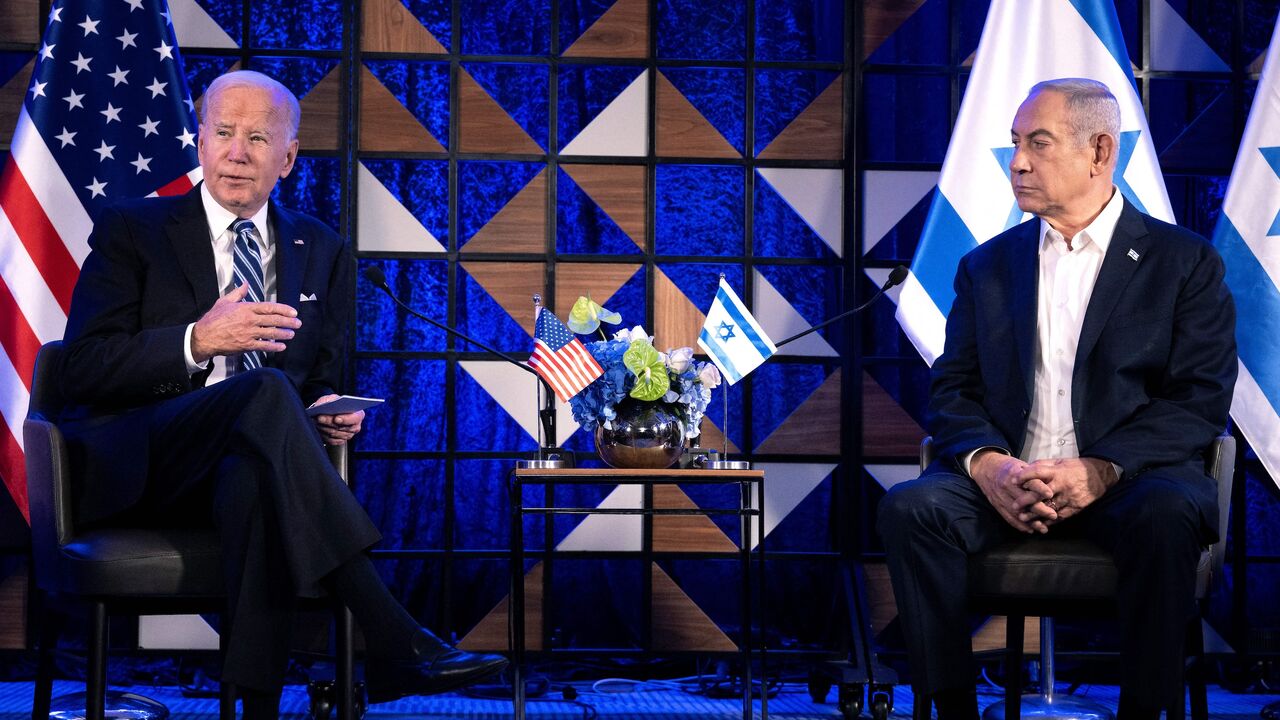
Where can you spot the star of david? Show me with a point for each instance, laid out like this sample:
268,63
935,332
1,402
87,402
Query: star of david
1272,155
725,331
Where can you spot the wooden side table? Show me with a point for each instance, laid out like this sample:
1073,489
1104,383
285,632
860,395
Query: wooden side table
750,484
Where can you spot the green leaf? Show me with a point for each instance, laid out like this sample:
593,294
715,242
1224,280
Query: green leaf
586,316
644,361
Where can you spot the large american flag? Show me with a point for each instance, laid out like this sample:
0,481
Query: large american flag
107,117
560,357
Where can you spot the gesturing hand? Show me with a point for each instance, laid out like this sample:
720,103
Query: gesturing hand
999,477
233,326
338,429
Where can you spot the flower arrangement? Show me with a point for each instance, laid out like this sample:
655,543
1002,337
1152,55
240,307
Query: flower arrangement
634,368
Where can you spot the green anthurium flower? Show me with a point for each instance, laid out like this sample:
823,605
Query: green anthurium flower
586,316
652,381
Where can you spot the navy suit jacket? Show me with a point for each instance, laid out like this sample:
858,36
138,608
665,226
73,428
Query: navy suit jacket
1154,369
150,272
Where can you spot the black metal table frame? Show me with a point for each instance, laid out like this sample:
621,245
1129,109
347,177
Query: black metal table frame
750,519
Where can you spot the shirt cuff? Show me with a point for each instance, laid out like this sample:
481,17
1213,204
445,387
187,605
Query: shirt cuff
193,367
1119,470
968,459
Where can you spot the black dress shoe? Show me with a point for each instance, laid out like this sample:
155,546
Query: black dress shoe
445,671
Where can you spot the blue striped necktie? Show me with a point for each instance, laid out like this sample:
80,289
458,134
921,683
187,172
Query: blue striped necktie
248,271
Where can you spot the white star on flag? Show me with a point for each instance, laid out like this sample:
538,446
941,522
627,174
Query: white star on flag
187,138
90,25
66,137
104,151
149,127
82,63
134,5
46,51
112,112
156,88
37,89
73,100
96,188
119,76
126,39
165,50
141,163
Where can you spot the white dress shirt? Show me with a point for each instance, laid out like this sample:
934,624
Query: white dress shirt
1067,273
220,220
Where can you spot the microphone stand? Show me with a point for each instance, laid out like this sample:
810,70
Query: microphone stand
548,453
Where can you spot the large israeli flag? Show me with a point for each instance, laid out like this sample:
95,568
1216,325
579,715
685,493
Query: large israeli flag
1023,43
1246,236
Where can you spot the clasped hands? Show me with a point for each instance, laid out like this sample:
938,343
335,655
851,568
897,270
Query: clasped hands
1032,497
233,326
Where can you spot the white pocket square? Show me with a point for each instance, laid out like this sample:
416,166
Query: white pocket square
307,298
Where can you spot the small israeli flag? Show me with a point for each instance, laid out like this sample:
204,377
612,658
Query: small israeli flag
732,338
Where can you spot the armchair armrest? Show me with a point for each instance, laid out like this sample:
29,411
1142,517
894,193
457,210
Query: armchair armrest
48,489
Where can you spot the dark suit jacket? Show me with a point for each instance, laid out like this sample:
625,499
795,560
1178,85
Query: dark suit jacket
150,272
1154,370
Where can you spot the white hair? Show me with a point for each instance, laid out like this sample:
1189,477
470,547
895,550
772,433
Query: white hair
1092,109
250,78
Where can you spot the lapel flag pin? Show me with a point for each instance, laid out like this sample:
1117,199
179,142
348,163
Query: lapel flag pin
1133,255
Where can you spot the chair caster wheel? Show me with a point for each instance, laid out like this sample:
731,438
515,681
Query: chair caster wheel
322,694
850,701
881,703
819,686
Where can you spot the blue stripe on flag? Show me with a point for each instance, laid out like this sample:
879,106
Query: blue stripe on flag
748,331
944,240
1257,308
713,346
1101,16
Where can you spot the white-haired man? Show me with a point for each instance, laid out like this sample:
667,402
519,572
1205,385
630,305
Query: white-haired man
201,327
1089,362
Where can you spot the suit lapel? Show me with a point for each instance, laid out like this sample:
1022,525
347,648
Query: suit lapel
188,232
1117,270
1025,265
291,262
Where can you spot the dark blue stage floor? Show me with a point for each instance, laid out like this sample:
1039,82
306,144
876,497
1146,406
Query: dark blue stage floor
650,701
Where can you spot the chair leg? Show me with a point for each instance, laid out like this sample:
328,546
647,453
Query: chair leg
226,690
1013,667
96,681
344,671
1195,676
47,644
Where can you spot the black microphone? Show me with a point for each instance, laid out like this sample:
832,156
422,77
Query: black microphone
896,276
547,415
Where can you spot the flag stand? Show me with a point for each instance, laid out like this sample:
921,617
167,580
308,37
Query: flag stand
549,456
712,463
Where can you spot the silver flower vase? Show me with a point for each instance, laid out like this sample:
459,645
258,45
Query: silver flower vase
642,435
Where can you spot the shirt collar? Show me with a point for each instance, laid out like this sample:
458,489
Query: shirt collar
1099,232
220,218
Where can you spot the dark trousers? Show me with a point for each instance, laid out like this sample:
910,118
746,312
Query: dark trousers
243,457
1150,523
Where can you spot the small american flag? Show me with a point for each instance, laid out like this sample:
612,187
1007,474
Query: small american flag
107,117
560,358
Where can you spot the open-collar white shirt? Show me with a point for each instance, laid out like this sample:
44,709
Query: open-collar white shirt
220,220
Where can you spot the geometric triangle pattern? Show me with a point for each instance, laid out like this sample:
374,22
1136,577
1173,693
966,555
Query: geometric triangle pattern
587,90
11,95
622,31
678,623
683,131
786,485
519,227
388,26
816,133
516,392
887,197
194,28
816,196
780,319
387,125
1175,46
484,126
584,225
518,92
318,129
813,428
880,21
384,223
487,188
618,129
716,96
512,286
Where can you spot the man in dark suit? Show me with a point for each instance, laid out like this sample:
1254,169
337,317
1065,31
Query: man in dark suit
200,329
1089,362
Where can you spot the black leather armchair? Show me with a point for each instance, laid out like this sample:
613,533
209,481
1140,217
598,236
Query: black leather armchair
123,570
1050,576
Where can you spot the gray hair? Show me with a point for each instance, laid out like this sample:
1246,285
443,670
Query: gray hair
250,78
1093,109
